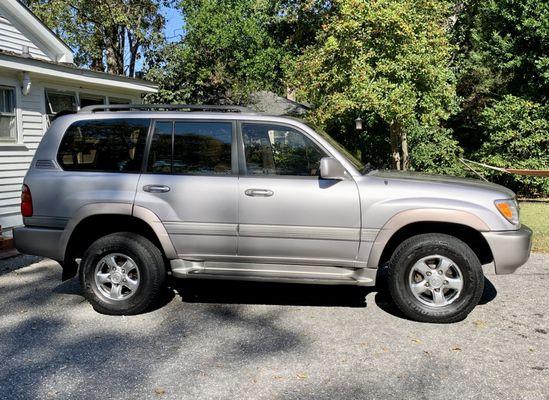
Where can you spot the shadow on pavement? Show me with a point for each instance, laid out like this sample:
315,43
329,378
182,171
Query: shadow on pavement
234,292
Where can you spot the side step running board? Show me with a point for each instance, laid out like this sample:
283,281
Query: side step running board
273,272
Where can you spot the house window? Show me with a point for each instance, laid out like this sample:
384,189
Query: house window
118,100
8,116
57,102
91,100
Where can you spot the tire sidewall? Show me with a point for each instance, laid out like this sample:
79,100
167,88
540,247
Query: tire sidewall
460,254
145,261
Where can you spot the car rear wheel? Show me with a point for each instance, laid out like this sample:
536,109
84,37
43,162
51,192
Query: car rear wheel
435,278
122,273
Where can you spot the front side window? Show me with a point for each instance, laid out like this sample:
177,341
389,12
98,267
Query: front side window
8,119
191,148
279,150
111,145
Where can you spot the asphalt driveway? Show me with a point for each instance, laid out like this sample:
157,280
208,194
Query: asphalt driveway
223,340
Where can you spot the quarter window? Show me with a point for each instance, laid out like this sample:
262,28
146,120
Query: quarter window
191,148
114,145
8,119
279,150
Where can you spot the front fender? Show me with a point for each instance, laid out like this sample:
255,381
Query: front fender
408,217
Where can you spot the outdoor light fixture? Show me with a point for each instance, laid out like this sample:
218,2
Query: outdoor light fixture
358,124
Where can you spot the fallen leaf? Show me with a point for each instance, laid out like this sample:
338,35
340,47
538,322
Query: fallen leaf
160,392
417,341
479,324
456,349
302,375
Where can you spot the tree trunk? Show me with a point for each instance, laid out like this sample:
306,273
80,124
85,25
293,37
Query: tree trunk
395,136
404,146
115,51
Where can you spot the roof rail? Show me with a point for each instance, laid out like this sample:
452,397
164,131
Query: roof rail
178,107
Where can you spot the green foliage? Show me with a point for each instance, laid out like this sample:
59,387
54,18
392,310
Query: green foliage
106,35
227,52
503,80
517,137
388,62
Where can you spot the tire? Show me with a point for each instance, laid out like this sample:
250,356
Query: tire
128,262
425,267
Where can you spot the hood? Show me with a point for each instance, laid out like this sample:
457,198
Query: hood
443,180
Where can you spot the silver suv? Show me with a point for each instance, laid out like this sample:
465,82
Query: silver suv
126,196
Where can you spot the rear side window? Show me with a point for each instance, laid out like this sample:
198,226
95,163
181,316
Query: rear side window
191,148
113,145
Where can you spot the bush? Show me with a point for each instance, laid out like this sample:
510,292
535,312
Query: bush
433,150
518,137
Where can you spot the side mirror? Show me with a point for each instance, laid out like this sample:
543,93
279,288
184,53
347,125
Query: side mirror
330,168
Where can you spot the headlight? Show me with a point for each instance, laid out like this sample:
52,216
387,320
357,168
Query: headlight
509,209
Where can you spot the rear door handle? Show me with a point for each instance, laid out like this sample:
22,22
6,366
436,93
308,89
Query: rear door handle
259,192
156,188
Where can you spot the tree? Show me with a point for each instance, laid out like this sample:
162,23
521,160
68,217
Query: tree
387,61
502,66
107,35
226,53
518,136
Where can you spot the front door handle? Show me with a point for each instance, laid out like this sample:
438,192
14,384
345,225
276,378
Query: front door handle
156,188
259,192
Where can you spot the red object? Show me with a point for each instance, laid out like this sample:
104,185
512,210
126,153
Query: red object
26,202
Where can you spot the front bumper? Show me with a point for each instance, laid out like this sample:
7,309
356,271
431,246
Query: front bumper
38,242
510,249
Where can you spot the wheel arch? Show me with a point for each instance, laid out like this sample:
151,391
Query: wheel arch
460,224
96,220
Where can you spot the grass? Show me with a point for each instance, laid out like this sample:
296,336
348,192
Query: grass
536,216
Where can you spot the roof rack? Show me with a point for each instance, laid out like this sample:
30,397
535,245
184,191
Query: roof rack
178,107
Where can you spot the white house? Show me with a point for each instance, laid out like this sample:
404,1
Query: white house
37,80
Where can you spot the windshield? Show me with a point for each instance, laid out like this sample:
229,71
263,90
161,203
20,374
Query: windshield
359,165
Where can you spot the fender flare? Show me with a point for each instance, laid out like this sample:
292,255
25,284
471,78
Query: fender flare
408,217
145,215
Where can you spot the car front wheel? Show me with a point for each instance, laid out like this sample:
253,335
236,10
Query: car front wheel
435,278
122,274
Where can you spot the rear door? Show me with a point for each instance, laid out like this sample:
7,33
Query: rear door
287,213
191,184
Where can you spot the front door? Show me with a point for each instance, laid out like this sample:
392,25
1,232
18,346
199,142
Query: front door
287,213
191,184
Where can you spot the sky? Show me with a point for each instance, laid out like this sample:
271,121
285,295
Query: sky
172,31
174,23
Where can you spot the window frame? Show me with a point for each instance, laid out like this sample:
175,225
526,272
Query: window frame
234,149
91,96
243,169
15,139
47,91
114,118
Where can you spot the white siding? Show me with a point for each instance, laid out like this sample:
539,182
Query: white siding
11,39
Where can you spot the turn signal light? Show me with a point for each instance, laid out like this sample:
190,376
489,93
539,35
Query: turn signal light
508,208
26,202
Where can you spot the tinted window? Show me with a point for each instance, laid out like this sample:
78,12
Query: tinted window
160,155
114,145
199,148
202,148
279,150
